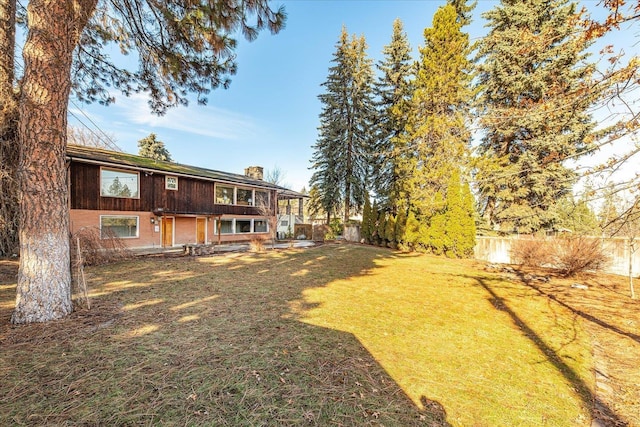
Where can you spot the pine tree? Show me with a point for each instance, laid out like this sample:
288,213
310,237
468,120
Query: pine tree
394,91
534,113
153,148
341,154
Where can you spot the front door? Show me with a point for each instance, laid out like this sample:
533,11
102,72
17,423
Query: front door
167,231
201,233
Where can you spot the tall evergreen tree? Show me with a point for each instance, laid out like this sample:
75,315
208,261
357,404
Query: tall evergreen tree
533,111
394,91
440,114
463,10
153,148
341,154
438,133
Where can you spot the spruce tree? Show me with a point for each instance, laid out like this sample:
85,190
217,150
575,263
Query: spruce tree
463,10
152,148
341,154
394,91
532,110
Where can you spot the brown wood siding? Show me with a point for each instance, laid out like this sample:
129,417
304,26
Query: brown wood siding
193,196
84,186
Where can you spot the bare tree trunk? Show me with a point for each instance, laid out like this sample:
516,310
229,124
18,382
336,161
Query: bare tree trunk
631,251
8,131
44,277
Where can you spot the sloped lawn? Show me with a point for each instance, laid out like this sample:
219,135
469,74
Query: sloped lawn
336,335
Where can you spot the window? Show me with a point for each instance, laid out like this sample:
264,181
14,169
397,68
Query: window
171,182
284,223
224,195
119,226
260,226
243,226
116,183
262,199
226,226
244,197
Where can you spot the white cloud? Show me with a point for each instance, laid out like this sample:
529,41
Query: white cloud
208,121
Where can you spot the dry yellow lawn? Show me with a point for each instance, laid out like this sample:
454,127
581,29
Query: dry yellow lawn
335,335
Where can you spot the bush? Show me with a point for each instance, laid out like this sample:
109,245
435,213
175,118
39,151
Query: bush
97,248
576,254
532,252
336,227
570,255
257,245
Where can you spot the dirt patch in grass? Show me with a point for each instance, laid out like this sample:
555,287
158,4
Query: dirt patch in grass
337,335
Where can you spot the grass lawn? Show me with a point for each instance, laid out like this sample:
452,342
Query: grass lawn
334,335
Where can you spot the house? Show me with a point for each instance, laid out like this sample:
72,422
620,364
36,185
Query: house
288,217
150,203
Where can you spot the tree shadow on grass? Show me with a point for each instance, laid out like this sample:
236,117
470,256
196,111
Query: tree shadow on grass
209,341
599,409
571,307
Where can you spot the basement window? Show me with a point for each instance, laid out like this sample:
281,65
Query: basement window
124,227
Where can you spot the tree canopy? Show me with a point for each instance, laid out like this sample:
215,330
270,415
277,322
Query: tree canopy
533,111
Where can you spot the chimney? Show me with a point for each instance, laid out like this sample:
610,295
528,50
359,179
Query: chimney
254,172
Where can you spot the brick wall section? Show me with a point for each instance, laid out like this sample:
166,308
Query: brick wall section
148,237
149,234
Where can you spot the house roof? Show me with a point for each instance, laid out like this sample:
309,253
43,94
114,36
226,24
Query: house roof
100,156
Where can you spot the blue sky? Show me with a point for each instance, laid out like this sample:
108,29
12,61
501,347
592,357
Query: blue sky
269,115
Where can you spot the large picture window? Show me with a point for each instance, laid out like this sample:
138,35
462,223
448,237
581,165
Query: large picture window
119,226
260,226
224,195
244,197
243,226
117,183
226,226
